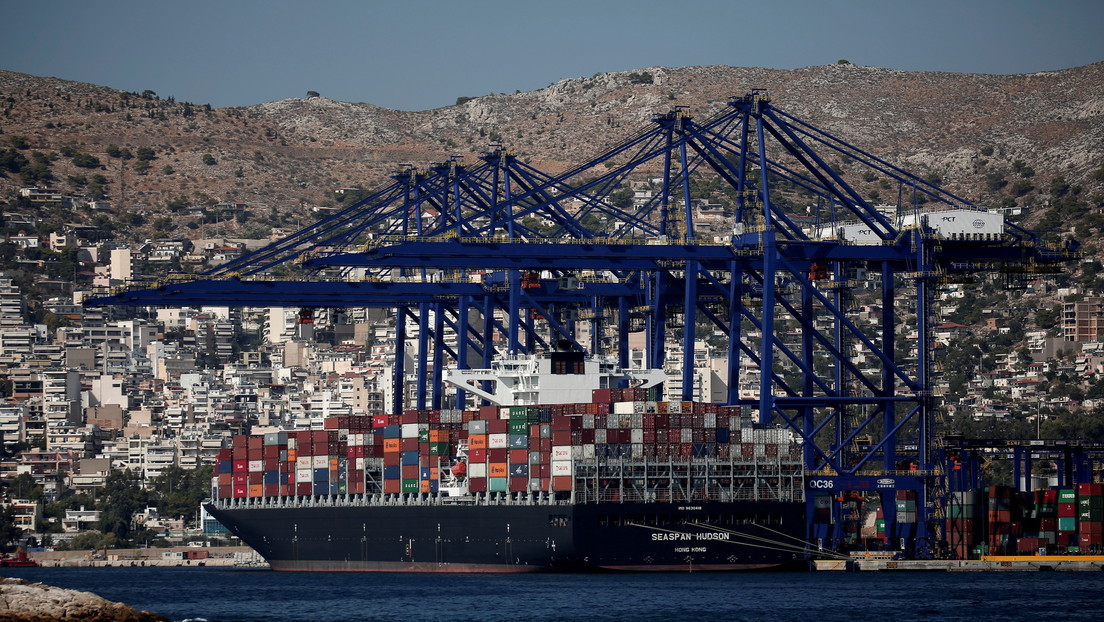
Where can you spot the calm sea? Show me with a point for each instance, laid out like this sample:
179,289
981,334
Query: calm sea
240,595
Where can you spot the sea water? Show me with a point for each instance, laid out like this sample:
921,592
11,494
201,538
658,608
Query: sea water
249,595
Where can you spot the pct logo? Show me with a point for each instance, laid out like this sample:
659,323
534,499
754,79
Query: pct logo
886,482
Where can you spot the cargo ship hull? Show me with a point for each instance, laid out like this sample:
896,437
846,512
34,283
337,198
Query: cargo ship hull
460,538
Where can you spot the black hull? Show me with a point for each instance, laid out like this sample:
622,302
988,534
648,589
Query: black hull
523,538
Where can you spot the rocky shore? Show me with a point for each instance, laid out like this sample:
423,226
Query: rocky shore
22,601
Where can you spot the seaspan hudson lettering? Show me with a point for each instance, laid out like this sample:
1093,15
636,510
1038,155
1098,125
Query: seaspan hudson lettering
707,535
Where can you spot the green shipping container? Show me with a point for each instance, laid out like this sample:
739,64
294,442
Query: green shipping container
519,427
411,485
1090,503
1067,495
519,413
960,511
1067,523
423,436
439,449
497,484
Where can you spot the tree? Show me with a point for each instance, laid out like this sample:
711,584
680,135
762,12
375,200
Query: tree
209,159
122,496
9,533
311,94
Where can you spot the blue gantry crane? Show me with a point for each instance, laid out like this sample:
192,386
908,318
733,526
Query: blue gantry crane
502,251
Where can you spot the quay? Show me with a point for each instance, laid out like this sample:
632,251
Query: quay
1014,563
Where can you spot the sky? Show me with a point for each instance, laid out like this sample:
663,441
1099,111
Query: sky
423,54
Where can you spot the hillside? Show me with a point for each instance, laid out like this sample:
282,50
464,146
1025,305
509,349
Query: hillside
995,140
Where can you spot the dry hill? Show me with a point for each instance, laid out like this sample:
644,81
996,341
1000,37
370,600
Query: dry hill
156,155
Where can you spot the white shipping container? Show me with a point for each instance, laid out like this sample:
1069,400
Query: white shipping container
477,469
710,420
600,436
588,421
561,452
674,408
410,430
498,441
304,475
303,462
686,435
320,462
477,427
256,466
623,408
561,467
636,436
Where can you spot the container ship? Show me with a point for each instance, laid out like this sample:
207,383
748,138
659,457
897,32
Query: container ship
618,481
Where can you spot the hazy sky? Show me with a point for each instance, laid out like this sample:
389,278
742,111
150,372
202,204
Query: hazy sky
422,54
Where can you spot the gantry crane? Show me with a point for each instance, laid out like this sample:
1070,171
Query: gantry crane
503,250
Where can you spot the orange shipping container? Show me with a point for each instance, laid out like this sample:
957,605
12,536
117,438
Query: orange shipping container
256,490
477,441
497,469
391,444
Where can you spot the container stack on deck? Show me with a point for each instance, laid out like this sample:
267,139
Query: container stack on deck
503,449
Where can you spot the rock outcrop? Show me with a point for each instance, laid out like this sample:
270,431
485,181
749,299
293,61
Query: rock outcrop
22,601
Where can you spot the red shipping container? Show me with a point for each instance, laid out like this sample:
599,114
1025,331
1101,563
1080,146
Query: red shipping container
409,444
561,482
392,458
240,466
1092,527
477,484
271,490
392,486
240,479
240,442
304,489
241,491
477,455
255,442
518,484
518,456
255,454
1066,510
1090,490
498,454
1089,539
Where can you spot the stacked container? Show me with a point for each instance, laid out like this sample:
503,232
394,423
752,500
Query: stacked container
503,449
1090,515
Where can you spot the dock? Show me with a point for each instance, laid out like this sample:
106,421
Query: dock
996,563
